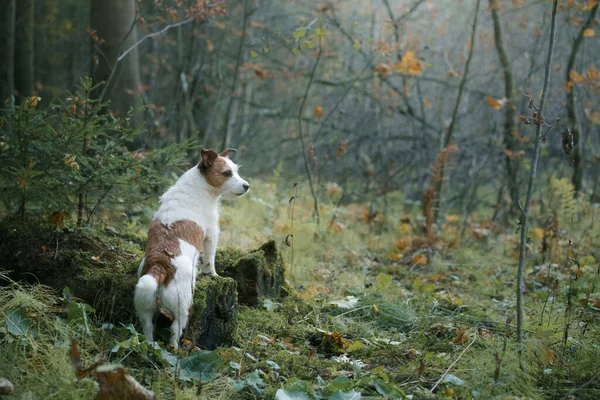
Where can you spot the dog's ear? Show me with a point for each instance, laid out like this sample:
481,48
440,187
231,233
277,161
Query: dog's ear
226,152
208,158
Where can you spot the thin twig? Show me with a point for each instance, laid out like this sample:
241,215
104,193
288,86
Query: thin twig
351,311
447,138
56,252
163,30
454,363
302,139
532,174
136,44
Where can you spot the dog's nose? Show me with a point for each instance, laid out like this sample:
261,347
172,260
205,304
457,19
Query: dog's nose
246,187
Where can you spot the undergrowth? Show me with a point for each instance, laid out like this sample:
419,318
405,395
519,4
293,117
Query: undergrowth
374,309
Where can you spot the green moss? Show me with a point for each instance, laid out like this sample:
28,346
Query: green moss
226,258
98,267
214,317
259,272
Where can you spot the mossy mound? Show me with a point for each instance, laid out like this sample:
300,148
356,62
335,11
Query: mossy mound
259,273
100,268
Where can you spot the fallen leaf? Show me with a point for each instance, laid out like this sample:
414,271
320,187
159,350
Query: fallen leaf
419,259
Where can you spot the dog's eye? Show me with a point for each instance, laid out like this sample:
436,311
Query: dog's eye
227,174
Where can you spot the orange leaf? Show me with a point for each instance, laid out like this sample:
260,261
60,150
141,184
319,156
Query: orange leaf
409,64
318,112
576,78
496,104
419,259
402,244
342,149
588,32
383,68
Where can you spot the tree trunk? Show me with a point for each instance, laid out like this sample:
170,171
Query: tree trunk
225,143
23,60
447,139
509,109
7,49
115,22
577,177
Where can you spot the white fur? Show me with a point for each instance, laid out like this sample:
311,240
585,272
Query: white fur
144,301
191,198
177,297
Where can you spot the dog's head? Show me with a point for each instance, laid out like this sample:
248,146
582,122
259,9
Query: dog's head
222,173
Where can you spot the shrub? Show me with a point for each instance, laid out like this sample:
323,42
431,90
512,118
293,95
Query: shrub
74,157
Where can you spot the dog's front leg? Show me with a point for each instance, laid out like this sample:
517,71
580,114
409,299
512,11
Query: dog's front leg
210,248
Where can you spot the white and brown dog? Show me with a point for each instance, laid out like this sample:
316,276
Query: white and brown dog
185,229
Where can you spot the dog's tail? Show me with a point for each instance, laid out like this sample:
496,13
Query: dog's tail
144,301
145,293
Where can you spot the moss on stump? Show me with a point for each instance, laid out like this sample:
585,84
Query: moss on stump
258,273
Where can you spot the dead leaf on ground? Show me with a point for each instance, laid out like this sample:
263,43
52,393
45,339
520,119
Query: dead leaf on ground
116,384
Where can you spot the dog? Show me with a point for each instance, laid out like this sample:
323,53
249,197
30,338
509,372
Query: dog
185,230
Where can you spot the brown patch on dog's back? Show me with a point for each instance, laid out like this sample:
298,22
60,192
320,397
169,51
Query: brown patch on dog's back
163,246
213,173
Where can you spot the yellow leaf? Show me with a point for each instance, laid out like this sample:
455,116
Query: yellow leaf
496,104
33,101
404,227
309,293
587,260
588,32
452,218
538,233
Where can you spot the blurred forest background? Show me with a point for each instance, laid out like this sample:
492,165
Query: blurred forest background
389,146
361,93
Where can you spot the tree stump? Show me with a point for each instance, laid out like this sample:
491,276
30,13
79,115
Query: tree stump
259,273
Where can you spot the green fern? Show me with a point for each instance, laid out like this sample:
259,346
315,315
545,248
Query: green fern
563,202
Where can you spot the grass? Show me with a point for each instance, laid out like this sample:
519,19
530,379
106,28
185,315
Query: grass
369,309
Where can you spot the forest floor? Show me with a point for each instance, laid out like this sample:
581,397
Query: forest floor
374,309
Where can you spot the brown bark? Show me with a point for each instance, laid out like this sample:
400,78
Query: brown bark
23,60
509,109
115,22
577,177
447,139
